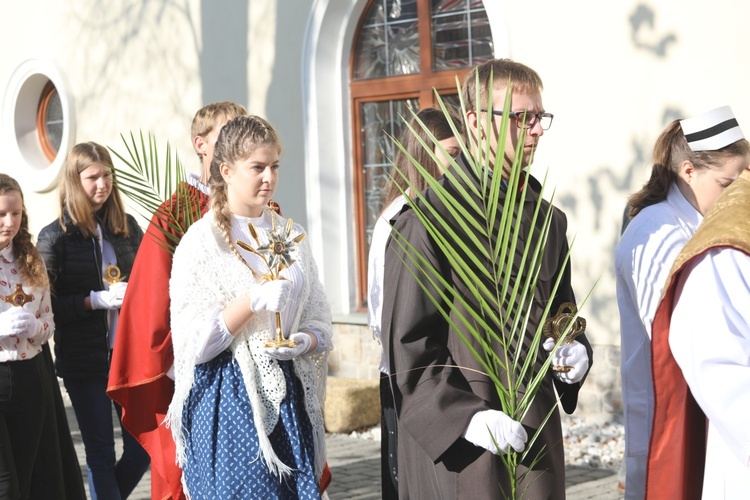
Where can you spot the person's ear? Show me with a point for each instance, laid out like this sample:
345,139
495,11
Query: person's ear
686,171
200,145
225,169
472,122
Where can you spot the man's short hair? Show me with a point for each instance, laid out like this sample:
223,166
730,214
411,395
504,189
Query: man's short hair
208,116
522,79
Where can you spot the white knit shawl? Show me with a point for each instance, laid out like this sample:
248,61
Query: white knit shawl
206,274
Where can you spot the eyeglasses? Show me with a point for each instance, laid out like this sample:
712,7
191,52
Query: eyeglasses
527,119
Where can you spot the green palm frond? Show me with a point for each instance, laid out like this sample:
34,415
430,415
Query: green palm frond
483,245
157,190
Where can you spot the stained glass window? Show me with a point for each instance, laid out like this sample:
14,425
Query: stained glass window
461,36
388,41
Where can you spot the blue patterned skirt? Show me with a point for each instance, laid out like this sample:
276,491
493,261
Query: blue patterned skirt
221,441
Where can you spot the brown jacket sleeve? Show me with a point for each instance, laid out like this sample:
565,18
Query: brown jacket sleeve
434,401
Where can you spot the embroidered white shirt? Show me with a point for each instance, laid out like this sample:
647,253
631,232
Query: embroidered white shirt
13,348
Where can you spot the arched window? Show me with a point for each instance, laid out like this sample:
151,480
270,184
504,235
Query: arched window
403,51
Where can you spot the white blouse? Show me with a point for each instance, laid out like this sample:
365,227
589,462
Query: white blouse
13,348
375,270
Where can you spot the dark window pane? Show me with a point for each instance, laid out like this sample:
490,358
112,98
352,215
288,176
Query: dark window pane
452,102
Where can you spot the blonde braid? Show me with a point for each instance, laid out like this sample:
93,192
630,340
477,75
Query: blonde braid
222,215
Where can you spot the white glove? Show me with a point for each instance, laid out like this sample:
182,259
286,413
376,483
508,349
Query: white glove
17,321
286,353
109,299
573,355
507,432
270,296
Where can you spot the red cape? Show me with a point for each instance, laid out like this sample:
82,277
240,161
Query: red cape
143,352
677,453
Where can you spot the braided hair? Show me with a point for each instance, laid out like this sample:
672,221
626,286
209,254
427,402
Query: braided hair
238,139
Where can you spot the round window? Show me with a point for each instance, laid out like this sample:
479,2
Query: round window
37,124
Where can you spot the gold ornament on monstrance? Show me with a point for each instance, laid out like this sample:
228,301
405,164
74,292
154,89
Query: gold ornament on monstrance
555,327
277,255
18,297
112,274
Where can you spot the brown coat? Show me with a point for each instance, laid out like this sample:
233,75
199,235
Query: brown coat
438,385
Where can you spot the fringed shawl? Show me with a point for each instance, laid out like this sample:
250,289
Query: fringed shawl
206,274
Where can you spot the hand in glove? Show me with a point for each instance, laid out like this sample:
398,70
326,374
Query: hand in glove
573,355
270,296
286,353
17,321
507,432
109,299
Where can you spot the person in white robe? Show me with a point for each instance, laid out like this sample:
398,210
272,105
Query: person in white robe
688,174
710,340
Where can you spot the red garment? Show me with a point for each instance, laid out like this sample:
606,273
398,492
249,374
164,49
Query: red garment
677,453
143,351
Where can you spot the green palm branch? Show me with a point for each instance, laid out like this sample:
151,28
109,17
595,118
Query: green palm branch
497,311
157,191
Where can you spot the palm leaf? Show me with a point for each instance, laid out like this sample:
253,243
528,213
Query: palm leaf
160,194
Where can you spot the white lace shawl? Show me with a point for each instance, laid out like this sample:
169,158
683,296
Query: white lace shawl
207,274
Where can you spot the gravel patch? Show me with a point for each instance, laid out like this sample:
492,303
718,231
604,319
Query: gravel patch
595,443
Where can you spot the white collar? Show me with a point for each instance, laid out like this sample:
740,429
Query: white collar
195,181
688,212
7,253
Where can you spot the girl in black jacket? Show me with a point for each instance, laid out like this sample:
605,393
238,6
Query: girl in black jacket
88,250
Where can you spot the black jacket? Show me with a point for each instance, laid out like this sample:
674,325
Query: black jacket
75,269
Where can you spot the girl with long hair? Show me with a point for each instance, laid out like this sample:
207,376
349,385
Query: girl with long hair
26,324
89,251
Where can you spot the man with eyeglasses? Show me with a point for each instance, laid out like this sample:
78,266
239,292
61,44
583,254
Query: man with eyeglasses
452,433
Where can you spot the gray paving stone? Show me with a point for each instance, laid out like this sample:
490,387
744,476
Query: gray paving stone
355,465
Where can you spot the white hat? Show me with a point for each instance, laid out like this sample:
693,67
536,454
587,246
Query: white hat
712,130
